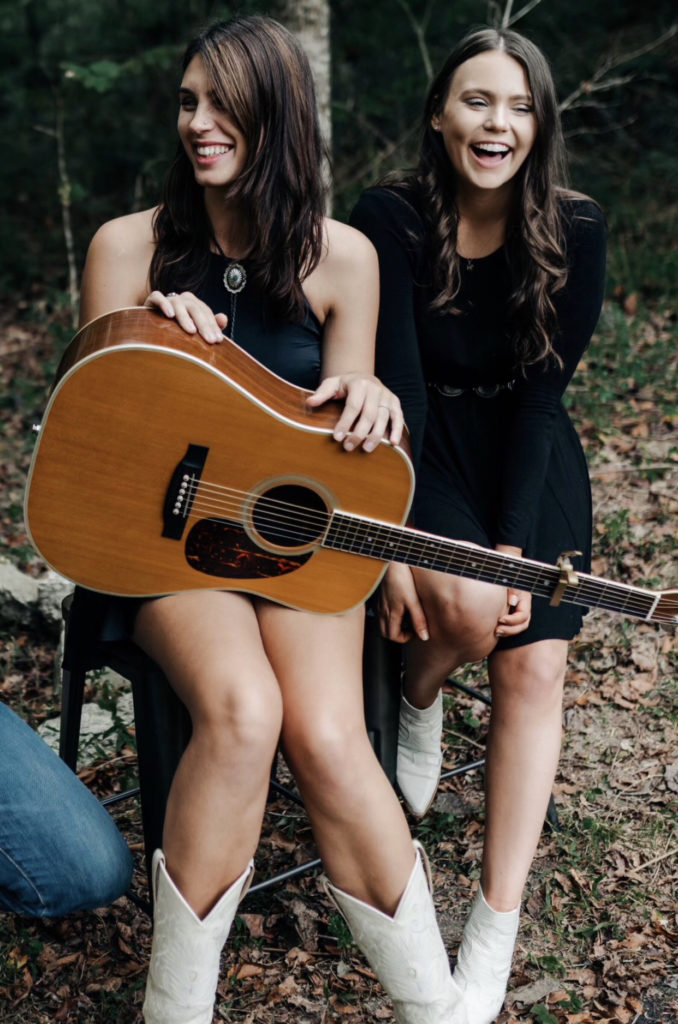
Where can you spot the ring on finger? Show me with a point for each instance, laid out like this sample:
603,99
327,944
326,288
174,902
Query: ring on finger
171,295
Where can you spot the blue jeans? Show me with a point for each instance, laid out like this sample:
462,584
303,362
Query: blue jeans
59,849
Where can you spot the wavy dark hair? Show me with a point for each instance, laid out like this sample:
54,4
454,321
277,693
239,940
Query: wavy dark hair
535,237
261,78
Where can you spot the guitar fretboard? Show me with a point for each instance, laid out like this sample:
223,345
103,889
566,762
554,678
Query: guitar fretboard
373,539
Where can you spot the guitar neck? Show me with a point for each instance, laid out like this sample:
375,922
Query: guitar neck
374,539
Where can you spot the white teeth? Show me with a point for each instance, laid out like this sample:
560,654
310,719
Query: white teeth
212,150
493,147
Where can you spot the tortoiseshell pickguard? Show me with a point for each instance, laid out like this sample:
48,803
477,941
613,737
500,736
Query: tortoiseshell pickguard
219,548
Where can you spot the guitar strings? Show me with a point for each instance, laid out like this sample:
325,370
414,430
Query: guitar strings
288,517
593,588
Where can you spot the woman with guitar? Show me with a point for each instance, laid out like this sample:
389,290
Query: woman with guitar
239,242
494,274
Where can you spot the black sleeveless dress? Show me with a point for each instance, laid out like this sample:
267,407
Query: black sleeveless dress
291,350
494,464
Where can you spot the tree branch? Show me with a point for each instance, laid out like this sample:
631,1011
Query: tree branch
509,19
607,130
65,200
368,172
599,82
419,29
64,192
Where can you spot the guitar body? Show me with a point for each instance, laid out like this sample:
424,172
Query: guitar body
161,463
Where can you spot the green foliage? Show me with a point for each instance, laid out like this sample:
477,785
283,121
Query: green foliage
101,75
337,927
438,827
628,356
18,957
572,1003
471,720
550,963
541,1014
110,70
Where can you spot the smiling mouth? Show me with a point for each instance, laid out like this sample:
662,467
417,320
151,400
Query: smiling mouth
491,153
208,151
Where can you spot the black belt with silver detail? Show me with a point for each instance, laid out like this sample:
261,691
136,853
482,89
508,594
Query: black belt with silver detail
482,390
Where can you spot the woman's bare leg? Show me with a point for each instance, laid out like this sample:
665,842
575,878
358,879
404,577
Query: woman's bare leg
522,756
377,882
462,617
210,648
359,826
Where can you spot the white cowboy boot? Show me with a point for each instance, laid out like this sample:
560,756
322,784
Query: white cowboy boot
420,756
184,970
484,959
406,951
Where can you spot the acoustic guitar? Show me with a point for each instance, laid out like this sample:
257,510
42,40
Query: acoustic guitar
164,464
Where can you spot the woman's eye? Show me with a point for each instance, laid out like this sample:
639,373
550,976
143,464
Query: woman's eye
524,108
476,102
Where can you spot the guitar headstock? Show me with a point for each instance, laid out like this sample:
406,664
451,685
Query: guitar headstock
667,608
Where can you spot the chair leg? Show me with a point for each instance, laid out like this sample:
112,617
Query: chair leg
72,695
552,819
82,613
381,689
163,729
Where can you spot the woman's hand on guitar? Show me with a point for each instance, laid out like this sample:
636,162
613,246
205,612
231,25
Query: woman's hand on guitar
400,611
371,412
192,315
516,618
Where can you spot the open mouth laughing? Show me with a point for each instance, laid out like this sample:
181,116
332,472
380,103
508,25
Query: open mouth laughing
490,154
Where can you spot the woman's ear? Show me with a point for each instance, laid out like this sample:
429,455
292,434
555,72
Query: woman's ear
435,117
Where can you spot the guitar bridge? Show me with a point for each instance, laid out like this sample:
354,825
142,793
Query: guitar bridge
181,491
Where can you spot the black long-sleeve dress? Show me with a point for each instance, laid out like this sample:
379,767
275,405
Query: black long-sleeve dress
494,466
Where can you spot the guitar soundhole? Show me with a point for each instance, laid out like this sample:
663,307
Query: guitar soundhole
290,516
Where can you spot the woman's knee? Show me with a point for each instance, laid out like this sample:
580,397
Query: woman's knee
464,618
242,717
324,751
533,674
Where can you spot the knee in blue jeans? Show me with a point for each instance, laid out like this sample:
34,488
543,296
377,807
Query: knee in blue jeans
98,873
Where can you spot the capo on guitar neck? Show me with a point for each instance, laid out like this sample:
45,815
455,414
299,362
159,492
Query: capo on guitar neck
568,577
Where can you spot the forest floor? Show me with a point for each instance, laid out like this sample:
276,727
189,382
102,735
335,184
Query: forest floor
599,933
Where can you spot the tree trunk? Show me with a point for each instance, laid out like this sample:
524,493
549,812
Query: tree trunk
310,22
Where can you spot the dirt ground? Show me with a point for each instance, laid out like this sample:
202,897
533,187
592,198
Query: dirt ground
599,933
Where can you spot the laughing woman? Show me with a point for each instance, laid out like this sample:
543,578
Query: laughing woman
240,239
492,274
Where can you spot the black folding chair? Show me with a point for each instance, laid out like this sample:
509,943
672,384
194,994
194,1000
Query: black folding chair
162,723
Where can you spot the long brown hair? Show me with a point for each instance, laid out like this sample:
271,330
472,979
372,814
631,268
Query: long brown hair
535,237
261,77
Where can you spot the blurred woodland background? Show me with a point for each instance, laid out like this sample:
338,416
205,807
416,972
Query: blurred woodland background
90,91
88,127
